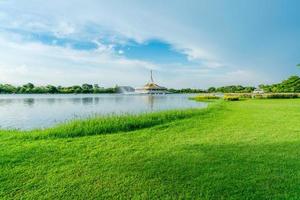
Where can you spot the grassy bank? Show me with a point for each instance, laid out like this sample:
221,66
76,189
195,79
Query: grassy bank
111,124
233,150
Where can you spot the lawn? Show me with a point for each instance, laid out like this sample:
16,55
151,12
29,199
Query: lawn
232,150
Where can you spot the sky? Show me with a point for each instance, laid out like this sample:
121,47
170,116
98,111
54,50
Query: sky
190,43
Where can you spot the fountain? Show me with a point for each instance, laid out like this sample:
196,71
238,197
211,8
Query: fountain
125,90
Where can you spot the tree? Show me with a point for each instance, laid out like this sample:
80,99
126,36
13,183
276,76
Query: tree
87,88
29,86
7,89
211,89
51,89
292,84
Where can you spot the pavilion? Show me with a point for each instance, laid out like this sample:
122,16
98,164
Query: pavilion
152,88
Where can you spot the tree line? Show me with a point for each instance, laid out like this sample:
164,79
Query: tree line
185,90
291,85
231,89
30,88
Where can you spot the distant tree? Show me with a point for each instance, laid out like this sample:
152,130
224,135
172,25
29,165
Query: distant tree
7,89
292,84
30,88
235,89
51,89
211,89
29,85
59,89
74,89
87,88
185,90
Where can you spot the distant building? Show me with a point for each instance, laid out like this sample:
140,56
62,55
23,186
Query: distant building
258,91
152,88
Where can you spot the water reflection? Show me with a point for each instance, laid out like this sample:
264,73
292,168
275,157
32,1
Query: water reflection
87,100
29,102
150,101
35,111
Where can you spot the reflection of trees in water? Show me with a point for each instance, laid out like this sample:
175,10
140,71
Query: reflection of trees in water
119,102
26,101
50,101
29,101
75,100
7,101
32,101
87,100
97,100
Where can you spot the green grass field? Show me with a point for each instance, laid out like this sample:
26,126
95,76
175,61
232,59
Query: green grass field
232,150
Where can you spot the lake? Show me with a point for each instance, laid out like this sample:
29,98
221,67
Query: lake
41,111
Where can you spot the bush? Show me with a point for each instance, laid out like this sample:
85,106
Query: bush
258,96
204,97
282,96
231,98
240,95
276,96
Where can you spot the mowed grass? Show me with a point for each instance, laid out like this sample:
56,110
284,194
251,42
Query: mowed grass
233,150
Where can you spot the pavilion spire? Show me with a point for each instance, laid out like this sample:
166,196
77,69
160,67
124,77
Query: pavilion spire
151,76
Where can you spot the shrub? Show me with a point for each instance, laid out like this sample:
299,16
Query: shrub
276,96
258,96
282,96
231,98
240,95
245,95
204,97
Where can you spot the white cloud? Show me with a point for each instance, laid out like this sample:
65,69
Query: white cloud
63,29
22,62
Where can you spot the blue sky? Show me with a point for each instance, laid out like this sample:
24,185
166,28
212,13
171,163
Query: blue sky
194,43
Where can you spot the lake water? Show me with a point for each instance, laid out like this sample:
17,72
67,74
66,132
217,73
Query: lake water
40,111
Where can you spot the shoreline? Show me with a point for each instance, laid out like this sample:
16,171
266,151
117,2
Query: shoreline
109,124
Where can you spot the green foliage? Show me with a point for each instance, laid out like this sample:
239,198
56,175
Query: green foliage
263,96
276,96
225,89
245,95
204,97
231,98
50,89
292,84
241,95
212,89
113,124
242,150
29,86
6,89
186,90
235,89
